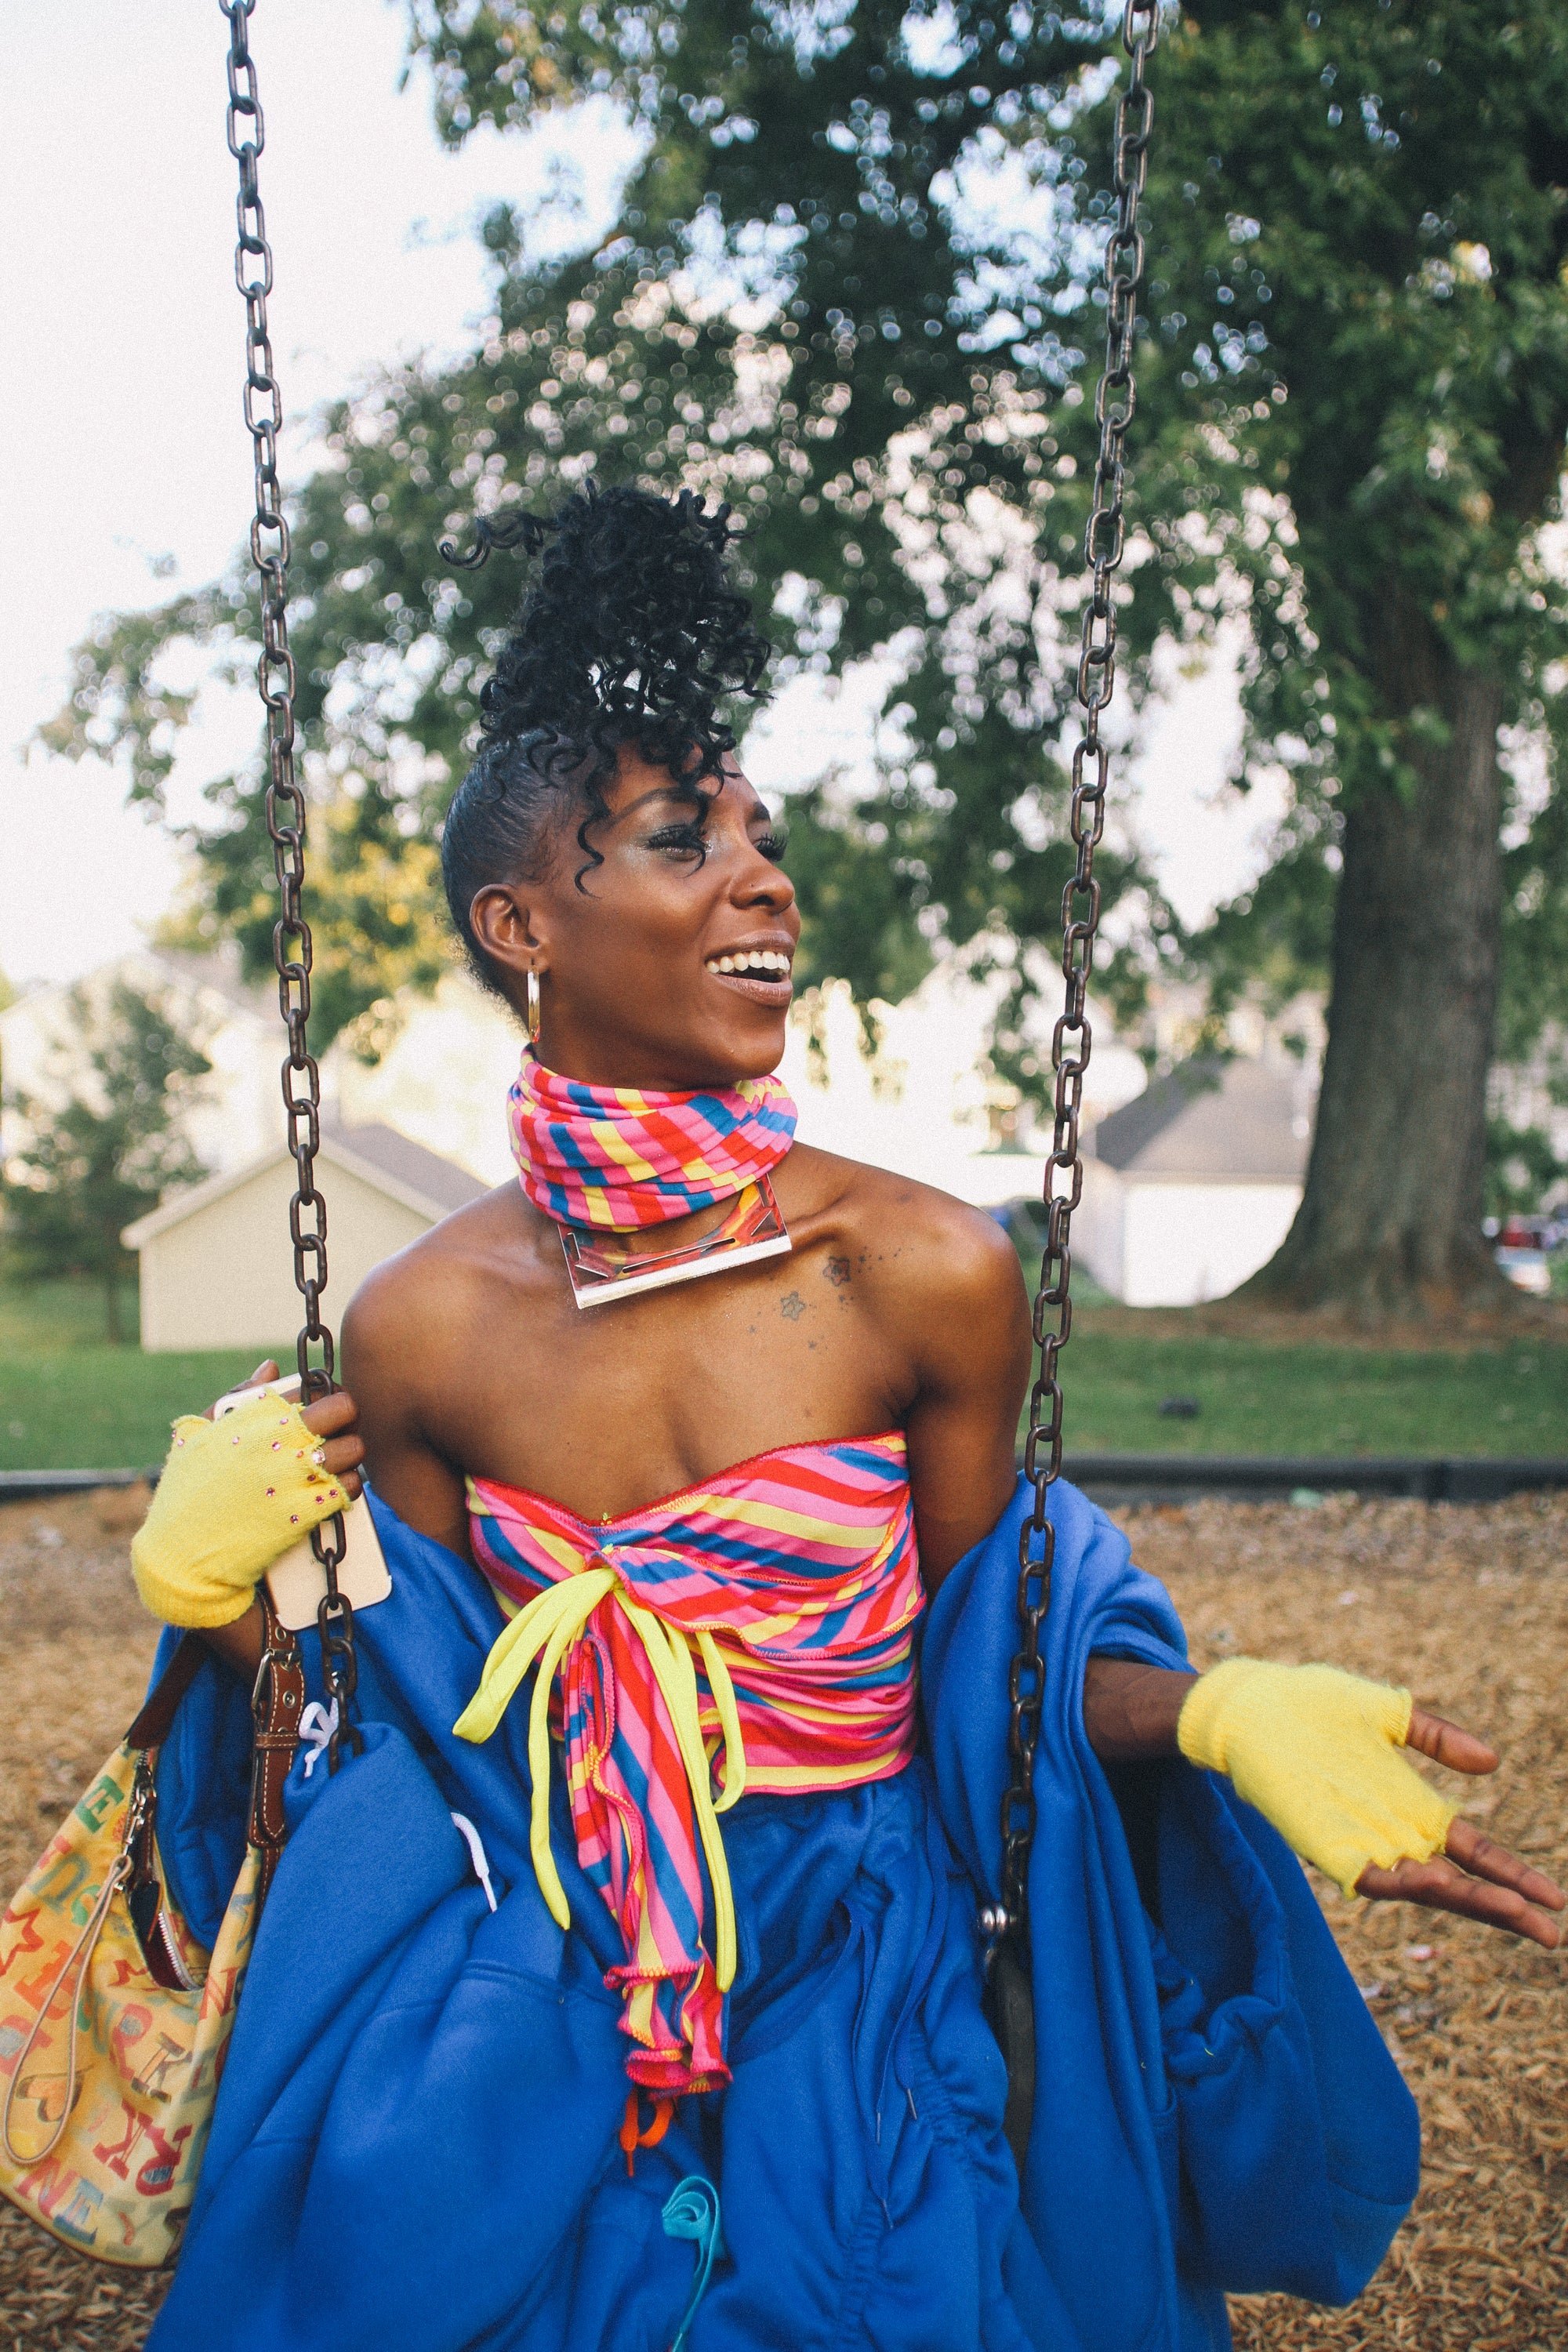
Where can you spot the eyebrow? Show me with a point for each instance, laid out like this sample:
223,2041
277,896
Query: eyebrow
659,793
759,814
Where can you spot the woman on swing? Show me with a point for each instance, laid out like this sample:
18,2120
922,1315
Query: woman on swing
712,1517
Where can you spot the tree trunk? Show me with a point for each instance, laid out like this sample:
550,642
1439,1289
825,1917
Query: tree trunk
1390,1220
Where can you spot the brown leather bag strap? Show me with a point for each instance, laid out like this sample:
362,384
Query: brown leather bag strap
278,1702
152,1726
136,1871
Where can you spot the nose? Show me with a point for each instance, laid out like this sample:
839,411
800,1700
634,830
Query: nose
760,882
756,879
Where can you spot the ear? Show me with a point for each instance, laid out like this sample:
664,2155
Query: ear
506,922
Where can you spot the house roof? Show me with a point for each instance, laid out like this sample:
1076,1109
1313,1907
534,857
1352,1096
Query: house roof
397,1155
1224,1120
378,1155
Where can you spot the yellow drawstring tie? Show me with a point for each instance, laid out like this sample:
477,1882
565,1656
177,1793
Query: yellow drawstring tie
545,1630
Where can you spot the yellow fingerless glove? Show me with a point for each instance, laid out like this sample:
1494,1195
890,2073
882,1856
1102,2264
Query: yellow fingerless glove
231,1497
1317,1751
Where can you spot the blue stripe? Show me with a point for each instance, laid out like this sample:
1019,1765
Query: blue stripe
661,1864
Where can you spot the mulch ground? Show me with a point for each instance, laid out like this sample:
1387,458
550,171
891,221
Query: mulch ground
1469,1605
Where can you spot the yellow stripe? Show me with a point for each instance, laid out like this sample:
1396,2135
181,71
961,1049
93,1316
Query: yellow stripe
775,1625
778,1518
779,1780
650,1959
561,1549
639,2012
619,1151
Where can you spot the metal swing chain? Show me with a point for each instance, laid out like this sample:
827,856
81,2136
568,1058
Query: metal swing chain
285,809
1071,1041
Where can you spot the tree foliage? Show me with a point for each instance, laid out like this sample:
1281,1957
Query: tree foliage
102,1145
852,289
1524,1168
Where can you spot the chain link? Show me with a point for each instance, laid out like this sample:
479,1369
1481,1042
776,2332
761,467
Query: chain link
1072,1040
285,809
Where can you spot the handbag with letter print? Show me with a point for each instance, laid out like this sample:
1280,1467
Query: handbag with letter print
114,2022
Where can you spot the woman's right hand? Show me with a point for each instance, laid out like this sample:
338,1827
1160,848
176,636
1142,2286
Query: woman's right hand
332,1418
235,1494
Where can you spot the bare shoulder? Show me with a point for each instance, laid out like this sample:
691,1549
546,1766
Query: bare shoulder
911,1241
414,1307
941,1293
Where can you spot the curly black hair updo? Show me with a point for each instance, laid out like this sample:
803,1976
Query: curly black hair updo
631,634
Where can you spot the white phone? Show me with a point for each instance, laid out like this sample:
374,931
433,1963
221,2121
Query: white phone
297,1582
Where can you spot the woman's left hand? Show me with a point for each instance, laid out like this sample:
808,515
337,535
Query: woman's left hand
1274,1728
1474,1875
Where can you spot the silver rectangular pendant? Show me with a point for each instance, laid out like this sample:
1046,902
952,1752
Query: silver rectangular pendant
604,1265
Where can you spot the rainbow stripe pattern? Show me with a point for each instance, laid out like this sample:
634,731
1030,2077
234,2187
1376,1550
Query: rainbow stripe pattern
754,1633
620,1158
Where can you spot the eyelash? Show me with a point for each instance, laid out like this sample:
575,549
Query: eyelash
680,836
690,838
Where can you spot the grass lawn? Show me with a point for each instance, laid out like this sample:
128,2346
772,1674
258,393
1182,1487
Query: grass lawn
1262,1396
71,1402
68,1401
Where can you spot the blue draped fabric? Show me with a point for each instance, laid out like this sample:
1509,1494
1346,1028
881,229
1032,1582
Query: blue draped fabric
415,2141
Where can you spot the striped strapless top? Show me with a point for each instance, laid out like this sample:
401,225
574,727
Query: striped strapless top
753,1632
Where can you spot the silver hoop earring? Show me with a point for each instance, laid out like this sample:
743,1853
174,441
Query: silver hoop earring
533,1014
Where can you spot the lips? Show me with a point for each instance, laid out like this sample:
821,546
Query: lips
762,992
761,973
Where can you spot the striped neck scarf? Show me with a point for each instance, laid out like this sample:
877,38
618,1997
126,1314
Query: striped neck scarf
620,1159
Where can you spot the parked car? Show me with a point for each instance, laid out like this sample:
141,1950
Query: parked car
1528,1269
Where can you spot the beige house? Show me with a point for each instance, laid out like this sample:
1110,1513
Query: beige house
217,1266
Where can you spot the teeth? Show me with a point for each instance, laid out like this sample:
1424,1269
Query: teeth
765,964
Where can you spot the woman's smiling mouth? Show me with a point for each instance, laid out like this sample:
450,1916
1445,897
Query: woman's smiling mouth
760,972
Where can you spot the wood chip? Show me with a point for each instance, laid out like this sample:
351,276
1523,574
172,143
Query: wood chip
1467,1605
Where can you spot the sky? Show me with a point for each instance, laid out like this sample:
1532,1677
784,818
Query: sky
124,464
